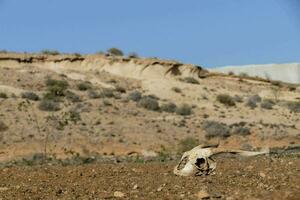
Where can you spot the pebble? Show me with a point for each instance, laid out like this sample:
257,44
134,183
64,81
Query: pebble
261,174
202,195
135,187
119,194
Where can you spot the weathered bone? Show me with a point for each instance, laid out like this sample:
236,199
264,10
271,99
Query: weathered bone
199,161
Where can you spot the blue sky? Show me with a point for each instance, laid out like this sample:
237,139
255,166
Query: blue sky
204,32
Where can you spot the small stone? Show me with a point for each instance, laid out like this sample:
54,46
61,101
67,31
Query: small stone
118,194
159,189
135,187
202,195
261,174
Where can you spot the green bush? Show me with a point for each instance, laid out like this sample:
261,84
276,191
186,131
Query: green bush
226,99
191,80
176,89
184,110
30,95
72,96
168,107
3,95
49,105
50,52
55,89
135,96
3,126
83,86
115,52
294,106
149,103
215,129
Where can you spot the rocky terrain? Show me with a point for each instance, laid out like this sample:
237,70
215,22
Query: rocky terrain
73,109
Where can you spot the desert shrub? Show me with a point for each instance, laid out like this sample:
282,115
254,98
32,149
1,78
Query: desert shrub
187,144
267,104
83,86
93,94
3,126
184,110
135,96
190,80
120,89
106,102
74,116
3,95
77,54
115,52
168,107
56,87
50,52
176,89
30,95
238,99
252,101
243,74
149,103
3,51
49,105
231,73
215,129
243,131
72,96
294,106
226,99
152,96
133,55
107,92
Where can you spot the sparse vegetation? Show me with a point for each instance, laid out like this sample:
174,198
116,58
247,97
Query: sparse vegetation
149,103
231,73
30,95
3,126
93,94
216,129
190,80
55,89
120,89
243,131
50,52
226,99
115,52
238,99
72,96
176,89
184,110
168,107
135,96
49,105
243,74
267,104
83,86
294,106
252,101
3,95
107,92
133,55
187,144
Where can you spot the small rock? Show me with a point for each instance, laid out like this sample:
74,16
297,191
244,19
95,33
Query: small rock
159,189
202,195
119,194
261,174
135,187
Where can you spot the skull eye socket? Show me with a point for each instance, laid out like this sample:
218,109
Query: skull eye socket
199,162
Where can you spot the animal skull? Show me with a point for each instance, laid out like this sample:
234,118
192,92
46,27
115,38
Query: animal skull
199,161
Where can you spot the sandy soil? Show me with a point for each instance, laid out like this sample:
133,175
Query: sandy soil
259,178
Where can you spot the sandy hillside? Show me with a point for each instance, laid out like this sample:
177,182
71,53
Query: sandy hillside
97,105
